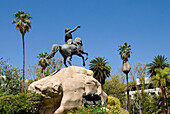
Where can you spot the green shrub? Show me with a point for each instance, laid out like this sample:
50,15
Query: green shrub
114,105
27,103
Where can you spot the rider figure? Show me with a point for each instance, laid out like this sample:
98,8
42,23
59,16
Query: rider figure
68,35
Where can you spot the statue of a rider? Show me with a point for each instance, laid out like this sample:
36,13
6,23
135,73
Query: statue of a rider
70,48
69,40
68,35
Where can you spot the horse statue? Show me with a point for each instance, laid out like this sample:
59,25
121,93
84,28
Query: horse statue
67,50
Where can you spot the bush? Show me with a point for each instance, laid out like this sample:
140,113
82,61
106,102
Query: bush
114,105
90,110
20,103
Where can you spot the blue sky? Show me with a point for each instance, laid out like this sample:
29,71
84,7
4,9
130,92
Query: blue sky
105,24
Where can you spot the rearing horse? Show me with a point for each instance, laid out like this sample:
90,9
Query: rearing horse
67,50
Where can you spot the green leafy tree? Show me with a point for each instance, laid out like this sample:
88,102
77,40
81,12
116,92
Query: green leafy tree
100,67
140,71
162,75
158,62
23,23
54,66
11,79
125,52
149,104
116,87
43,62
34,70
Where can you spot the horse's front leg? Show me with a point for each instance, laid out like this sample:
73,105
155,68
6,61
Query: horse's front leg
86,55
82,58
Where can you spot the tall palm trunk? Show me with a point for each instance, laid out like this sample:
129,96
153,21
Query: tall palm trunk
162,99
128,97
126,69
23,77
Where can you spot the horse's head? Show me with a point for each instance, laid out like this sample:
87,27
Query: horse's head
78,41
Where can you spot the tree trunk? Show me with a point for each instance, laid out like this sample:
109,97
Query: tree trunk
128,97
162,99
166,100
126,66
126,69
42,73
23,77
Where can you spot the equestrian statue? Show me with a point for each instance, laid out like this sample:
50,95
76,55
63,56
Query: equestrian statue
70,48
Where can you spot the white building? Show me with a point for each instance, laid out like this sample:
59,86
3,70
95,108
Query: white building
149,90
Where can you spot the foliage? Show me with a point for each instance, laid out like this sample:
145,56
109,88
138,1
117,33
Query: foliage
22,21
100,67
27,103
162,75
125,51
154,69
140,70
114,105
34,71
148,104
144,102
10,79
158,62
43,62
160,79
55,65
90,110
116,87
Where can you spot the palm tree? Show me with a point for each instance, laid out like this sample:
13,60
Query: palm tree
43,62
158,62
100,67
22,23
125,52
160,79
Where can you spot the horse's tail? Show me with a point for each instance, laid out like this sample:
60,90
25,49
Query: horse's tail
54,49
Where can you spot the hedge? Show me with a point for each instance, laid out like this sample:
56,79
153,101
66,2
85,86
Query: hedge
27,103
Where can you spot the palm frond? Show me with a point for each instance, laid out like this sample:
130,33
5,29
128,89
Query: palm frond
125,50
22,21
100,67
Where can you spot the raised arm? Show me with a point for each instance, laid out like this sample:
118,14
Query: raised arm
74,29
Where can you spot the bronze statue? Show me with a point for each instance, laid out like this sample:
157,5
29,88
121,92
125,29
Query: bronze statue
68,33
70,48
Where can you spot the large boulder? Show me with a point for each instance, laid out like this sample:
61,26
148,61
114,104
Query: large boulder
68,89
